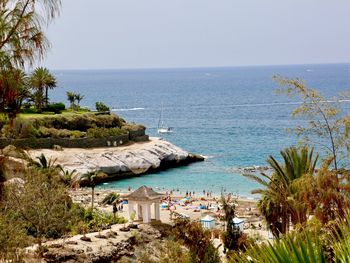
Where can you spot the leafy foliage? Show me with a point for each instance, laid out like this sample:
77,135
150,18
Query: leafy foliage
67,126
232,234
100,132
110,199
279,203
330,244
326,122
42,80
197,240
101,107
42,204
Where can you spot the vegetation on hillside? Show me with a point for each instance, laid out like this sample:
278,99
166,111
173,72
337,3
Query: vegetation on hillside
306,201
38,207
68,126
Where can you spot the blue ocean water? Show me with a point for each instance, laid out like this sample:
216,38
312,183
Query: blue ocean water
231,115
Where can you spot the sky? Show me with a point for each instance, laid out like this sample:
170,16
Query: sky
125,34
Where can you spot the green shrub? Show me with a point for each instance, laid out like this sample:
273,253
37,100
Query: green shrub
100,106
54,133
77,134
29,110
104,132
110,198
20,129
98,219
55,107
81,122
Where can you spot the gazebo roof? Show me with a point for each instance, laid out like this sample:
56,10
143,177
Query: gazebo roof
144,193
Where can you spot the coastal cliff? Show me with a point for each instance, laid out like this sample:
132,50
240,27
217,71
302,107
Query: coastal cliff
123,161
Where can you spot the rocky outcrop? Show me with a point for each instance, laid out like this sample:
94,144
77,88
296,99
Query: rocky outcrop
135,159
111,249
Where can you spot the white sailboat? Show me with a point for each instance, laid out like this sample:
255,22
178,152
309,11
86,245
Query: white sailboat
162,127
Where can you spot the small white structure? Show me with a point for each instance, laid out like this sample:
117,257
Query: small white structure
238,222
208,222
141,201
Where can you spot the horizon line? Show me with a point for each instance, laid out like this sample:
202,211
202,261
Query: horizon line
198,67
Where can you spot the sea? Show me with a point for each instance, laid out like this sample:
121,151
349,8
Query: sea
231,115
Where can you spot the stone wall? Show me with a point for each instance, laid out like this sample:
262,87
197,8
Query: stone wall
48,143
136,133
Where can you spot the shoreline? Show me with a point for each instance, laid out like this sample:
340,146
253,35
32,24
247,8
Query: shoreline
103,187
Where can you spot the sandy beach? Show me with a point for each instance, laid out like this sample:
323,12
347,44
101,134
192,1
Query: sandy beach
246,208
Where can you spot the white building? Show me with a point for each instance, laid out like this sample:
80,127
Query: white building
142,202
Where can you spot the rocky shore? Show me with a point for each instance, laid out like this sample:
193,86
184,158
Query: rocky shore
123,161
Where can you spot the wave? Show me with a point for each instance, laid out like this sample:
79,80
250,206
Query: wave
130,109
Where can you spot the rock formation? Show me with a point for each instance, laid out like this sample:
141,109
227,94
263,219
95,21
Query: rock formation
134,159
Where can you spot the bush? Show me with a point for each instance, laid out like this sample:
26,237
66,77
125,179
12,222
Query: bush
54,133
100,106
20,129
110,198
55,107
104,132
77,134
98,219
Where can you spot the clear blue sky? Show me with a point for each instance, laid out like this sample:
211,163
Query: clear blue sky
112,34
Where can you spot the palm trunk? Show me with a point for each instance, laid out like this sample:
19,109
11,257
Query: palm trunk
92,197
46,97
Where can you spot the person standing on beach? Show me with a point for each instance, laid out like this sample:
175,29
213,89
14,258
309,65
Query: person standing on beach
115,209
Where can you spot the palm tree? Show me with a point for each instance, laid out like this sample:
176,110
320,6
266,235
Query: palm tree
14,87
22,40
310,245
71,96
306,247
232,232
279,204
41,79
67,176
90,178
78,98
44,163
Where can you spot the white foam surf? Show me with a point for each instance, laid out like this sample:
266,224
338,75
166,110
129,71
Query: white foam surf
130,109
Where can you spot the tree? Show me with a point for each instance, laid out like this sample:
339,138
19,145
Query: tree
21,27
42,80
311,245
43,162
42,204
22,41
14,87
325,197
90,178
232,233
279,204
71,96
197,240
12,239
325,120
78,98
68,176
100,107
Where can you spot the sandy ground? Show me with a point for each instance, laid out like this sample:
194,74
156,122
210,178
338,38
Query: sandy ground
246,209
